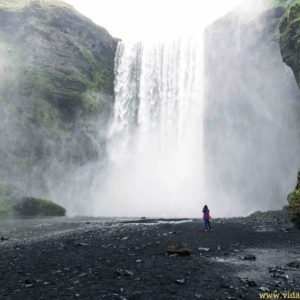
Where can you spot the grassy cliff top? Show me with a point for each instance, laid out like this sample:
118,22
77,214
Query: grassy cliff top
275,3
17,5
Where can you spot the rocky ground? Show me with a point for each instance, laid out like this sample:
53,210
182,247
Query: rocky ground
241,258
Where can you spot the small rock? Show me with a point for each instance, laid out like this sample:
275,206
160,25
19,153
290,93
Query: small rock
294,264
128,273
119,272
287,277
180,281
181,250
82,244
251,283
28,285
264,289
276,270
204,249
250,257
172,255
122,272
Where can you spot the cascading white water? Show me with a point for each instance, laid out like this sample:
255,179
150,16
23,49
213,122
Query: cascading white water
171,148
155,140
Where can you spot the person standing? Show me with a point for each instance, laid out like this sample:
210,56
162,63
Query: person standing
206,218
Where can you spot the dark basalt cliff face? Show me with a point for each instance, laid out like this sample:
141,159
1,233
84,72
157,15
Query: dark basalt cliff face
56,88
290,50
290,38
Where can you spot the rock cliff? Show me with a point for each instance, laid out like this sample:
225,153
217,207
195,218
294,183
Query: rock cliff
290,51
290,38
56,89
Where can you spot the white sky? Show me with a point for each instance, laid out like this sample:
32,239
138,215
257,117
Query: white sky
152,19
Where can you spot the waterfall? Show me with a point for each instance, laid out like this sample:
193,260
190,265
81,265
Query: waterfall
155,141
193,127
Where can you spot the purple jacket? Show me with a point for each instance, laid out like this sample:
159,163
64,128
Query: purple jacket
206,214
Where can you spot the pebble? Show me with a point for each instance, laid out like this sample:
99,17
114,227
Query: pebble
128,273
204,249
294,264
180,281
82,244
250,257
264,289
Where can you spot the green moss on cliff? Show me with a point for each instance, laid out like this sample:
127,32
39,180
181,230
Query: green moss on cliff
57,80
44,114
294,204
88,56
290,38
17,5
276,3
103,79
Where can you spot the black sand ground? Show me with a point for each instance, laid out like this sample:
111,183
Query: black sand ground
127,261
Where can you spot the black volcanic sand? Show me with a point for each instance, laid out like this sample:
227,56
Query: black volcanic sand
127,261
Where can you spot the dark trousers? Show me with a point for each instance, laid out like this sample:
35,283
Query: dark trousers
207,224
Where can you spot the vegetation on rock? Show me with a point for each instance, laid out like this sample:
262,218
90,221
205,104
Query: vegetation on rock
38,207
290,38
13,201
56,83
294,205
290,50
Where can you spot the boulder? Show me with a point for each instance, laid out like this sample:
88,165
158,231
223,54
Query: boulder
30,206
249,257
13,200
178,249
